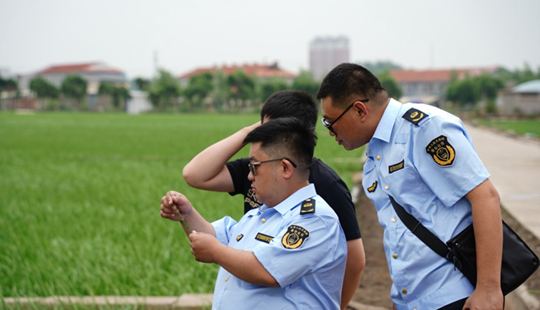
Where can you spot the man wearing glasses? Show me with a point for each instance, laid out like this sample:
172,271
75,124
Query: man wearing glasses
212,170
424,158
288,253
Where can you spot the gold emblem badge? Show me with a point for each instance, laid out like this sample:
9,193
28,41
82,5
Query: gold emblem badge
294,237
441,151
240,236
308,206
372,188
414,116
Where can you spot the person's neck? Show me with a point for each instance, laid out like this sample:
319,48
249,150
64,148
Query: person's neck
286,191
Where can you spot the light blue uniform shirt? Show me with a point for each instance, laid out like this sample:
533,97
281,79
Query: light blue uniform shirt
309,267
428,167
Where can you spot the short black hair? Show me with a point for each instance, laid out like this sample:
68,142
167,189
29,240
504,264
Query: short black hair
292,103
347,80
286,137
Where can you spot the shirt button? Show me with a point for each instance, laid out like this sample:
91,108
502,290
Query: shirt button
226,279
378,157
395,256
386,187
404,291
263,220
393,220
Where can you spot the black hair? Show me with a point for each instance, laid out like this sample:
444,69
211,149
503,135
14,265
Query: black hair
347,80
291,103
286,137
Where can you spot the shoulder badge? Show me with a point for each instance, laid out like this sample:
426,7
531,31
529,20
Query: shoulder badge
372,188
441,151
263,238
414,116
308,206
294,237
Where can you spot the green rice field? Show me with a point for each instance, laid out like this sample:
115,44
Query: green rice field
80,196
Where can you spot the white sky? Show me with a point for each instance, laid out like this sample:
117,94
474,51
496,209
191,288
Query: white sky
187,34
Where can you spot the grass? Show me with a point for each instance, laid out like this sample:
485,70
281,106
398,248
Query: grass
529,127
80,195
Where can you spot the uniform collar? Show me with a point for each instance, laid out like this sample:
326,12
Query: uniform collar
386,124
293,200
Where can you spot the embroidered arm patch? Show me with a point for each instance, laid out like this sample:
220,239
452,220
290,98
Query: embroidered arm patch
441,151
294,237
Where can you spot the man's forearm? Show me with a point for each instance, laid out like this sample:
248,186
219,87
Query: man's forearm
488,234
209,163
245,266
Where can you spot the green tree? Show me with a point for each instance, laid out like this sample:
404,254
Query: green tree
200,86
463,92
74,86
305,81
380,67
241,86
164,91
43,88
8,85
142,83
390,84
119,94
269,87
488,86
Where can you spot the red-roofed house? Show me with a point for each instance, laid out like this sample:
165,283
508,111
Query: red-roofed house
94,73
259,71
429,86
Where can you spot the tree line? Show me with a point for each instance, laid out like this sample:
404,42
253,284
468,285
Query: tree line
241,92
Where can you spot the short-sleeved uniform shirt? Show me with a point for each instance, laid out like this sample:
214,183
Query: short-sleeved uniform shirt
424,158
305,251
327,184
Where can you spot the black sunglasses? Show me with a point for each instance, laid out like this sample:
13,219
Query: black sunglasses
255,164
329,125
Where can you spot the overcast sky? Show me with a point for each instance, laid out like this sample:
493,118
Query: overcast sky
186,34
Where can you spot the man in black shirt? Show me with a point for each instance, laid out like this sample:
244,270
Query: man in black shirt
210,170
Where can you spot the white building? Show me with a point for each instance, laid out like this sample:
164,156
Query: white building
325,53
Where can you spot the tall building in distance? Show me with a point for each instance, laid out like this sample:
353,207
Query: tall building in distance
327,52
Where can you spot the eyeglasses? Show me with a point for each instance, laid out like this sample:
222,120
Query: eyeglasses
255,164
329,125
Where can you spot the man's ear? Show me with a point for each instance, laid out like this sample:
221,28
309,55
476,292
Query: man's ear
286,168
362,109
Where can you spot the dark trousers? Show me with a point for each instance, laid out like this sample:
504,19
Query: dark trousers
456,305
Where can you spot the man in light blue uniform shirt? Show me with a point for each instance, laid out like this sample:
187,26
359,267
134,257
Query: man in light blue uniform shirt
290,253
424,158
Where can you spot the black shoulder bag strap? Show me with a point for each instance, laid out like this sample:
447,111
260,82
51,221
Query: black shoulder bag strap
421,231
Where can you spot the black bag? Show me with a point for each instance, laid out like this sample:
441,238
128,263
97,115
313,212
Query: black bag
519,262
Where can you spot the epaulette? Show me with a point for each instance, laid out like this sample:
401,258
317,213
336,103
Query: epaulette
415,116
308,206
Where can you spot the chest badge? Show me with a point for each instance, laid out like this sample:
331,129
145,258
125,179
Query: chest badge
373,187
294,237
240,236
441,151
396,167
264,238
